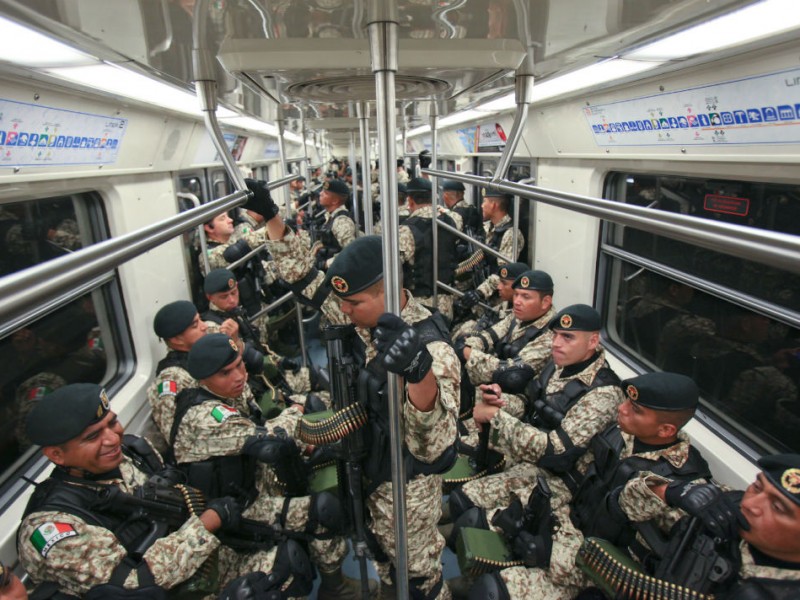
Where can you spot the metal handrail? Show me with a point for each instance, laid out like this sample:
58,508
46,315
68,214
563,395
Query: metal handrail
43,283
779,250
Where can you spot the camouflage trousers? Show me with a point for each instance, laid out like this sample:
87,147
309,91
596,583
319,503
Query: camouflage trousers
268,507
444,304
425,543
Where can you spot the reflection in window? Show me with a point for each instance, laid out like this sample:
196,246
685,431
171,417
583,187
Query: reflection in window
35,232
746,364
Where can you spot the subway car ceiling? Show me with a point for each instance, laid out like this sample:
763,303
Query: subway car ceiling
307,64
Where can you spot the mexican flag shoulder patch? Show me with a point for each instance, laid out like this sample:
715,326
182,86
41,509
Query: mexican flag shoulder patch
167,388
49,534
223,412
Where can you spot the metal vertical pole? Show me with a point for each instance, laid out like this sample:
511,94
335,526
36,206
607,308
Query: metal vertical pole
382,29
305,170
354,171
282,170
363,129
435,200
301,333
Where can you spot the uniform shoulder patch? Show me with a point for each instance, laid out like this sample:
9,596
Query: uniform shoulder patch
49,534
167,388
223,412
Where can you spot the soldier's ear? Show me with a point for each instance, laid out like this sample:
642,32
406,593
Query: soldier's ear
55,454
667,430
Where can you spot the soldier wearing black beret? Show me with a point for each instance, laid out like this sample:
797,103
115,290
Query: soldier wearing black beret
179,325
70,537
464,214
339,229
412,344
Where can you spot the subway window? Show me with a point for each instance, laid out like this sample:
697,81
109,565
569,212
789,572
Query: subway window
732,325
83,339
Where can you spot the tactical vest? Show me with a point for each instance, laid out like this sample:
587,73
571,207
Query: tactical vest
590,512
332,246
219,475
174,358
67,494
419,276
372,380
494,241
505,349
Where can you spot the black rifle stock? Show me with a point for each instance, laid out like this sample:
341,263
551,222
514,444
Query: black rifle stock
343,373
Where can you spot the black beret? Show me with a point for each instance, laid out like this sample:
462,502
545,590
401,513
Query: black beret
173,318
63,414
402,191
336,186
419,185
578,317
210,353
783,471
512,270
533,280
662,391
401,162
424,152
357,267
348,171
219,280
490,193
454,186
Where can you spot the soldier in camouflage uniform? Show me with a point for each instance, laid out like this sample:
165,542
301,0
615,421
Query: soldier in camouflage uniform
415,241
179,325
505,295
610,488
429,412
68,538
466,217
339,229
522,338
561,417
217,441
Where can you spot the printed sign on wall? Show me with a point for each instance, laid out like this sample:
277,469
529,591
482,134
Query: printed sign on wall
755,110
32,135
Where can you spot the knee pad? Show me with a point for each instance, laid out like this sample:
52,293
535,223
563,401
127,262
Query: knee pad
326,509
475,517
415,591
459,503
489,587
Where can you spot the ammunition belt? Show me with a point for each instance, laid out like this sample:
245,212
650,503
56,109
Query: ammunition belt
468,264
622,578
333,428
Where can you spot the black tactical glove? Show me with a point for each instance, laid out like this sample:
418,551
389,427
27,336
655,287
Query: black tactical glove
717,510
321,261
229,511
314,404
253,359
261,202
270,449
459,345
402,349
290,364
253,586
470,298
236,251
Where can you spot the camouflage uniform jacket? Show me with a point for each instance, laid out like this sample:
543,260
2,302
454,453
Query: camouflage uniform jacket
482,361
246,225
220,428
162,392
590,415
60,547
506,248
215,250
343,229
427,434
749,569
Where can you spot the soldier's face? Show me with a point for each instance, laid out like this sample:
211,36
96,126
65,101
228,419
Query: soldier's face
229,381
226,301
222,224
326,199
487,207
191,334
364,308
97,449
449,197
504,289
529,305
572,347
774,520
639,421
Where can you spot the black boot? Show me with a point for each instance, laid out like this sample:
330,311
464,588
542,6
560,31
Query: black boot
336,586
